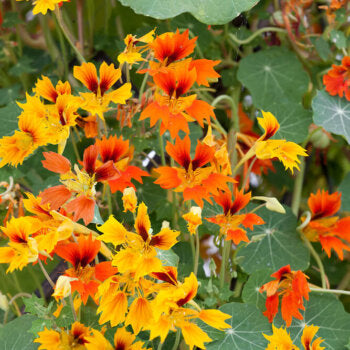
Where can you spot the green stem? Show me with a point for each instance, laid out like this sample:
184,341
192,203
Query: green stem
63,48
109,201
224,262
19,295
143,86
161,146
68,35
80,21
193,249
254,35
333,291
91,21
75,148
52,284
75,316
298,187
196,261
177,340
318,261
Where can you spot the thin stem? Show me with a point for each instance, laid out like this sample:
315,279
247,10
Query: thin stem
224,262
143,85
298,187
161,146
12,300
70,38
254,35
63,48
196,260
246,179
177,340
75,148
333,291
318,261
193,249
52,284
72,307
160,345
109,201
80,25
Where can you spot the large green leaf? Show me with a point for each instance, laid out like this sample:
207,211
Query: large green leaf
332,113
207,11
248,324
273,76
274,244
326,312
15,335
344,188
8,119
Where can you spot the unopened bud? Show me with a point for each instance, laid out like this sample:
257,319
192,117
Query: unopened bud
165,224
63,288
129,199
272,204
4,304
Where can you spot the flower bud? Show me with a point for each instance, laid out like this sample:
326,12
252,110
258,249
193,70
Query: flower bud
63,288
129,199
4,304
194,219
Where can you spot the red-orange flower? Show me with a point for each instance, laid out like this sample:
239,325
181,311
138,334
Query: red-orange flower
337,80
193,178
329,230
230,222
81,255
292,286
173,109
120,153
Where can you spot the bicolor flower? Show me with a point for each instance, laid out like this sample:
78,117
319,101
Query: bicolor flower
196,177
324,227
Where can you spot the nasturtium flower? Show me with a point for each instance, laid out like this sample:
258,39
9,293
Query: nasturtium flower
120,152
196,180
129,199
123,340
22,248
231,221
194,219
45,89
324,227
132,52
172,108
292,286
85,278
170,314
42,6
281,340
97,101
138,254
75,338
337,80
80,184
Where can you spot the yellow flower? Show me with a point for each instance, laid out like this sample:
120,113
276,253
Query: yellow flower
42,6
194,219
129,199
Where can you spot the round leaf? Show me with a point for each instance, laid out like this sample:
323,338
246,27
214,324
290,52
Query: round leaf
274,244
332,113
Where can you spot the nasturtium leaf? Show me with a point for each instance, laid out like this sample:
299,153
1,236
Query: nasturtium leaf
66,317
251,294
274,244
9,94
338,38
294,121
8,119
206,11
24,65
11,19
322,47
15,334
248,324
326,312
167,257
332,113
151,194
273,76
35,306
344,188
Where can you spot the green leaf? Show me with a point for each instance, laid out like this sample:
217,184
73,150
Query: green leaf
151,194
251,294
273,76
205,11
66,317
274,244
322,48
35,306
24,65
11,19
39,325
294,121
332,113
168,257
344,188
248,324
9,94
15,335
338,38
8,119
326,312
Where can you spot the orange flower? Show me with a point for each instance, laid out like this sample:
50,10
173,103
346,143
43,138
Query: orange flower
230,221
120,153
98,100
81,183
329,230
193,179
45,89
293,287
173,109
85,278
170,47
337,80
